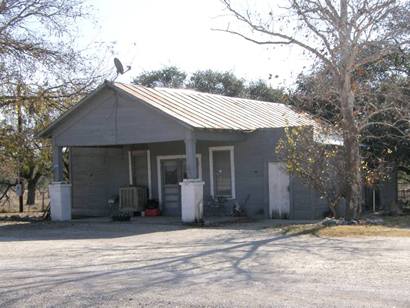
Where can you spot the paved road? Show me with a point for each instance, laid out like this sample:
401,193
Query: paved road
145,265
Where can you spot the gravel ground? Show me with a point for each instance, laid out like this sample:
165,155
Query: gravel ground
161,265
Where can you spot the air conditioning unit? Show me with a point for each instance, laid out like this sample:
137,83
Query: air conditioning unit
132,198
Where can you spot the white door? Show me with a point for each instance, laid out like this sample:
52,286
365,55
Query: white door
279,203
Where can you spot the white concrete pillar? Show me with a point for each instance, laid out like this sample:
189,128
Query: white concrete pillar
60,201
60,192
192,191
192,196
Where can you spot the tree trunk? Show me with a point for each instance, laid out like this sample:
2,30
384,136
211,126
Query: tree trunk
31,189
21,196
352,150
332,208
350,130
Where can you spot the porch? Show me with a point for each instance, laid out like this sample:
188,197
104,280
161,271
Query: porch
98,172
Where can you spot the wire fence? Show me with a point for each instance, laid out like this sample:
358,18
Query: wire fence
404,192
10,203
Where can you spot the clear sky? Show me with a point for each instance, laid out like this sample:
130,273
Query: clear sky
152,33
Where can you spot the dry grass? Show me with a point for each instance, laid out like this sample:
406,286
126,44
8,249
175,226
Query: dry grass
11,206
392,227
366,230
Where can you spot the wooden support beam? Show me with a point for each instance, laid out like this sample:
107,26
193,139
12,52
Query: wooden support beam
190,152
58,165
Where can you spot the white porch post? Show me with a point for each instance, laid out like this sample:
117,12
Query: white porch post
191,188
190,152
60,192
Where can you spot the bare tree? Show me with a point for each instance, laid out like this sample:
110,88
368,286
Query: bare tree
40,49
44,69
382,112
344,36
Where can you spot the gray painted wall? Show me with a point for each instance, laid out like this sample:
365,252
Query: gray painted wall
97,174
111,119
305,202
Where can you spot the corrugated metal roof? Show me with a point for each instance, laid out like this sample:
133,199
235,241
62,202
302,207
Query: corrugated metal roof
204,110
211,111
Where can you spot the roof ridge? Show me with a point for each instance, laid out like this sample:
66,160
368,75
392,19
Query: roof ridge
166,89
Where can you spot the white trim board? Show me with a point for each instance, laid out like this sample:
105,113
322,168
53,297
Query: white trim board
130,168
149,173
229,148
148,169
165,157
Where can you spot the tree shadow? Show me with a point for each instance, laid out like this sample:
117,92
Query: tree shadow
78,229
138,266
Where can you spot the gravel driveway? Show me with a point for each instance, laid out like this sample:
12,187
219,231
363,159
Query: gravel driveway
138,264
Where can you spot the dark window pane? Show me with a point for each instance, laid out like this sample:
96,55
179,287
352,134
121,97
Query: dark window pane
222,173
139,168
170,172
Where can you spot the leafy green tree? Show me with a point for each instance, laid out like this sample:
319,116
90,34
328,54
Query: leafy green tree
260,90
167,77
223,83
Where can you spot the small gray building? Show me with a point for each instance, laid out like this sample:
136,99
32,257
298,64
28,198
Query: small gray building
127,135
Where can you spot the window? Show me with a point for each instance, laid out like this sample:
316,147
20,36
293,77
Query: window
222,171
139,168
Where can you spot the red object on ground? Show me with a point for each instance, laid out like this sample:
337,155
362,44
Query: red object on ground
152,212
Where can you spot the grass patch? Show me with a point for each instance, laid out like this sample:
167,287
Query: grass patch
302,229
362,230
398,226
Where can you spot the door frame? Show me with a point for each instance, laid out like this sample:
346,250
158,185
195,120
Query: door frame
278,165
231,150
159,171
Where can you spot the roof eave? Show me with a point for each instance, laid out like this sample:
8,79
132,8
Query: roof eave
224,130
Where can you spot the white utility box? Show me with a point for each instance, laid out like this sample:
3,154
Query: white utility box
192,200
60,201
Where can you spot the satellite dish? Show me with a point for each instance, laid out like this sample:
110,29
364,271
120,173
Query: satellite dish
118,66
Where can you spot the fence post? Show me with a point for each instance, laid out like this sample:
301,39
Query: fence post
42,201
